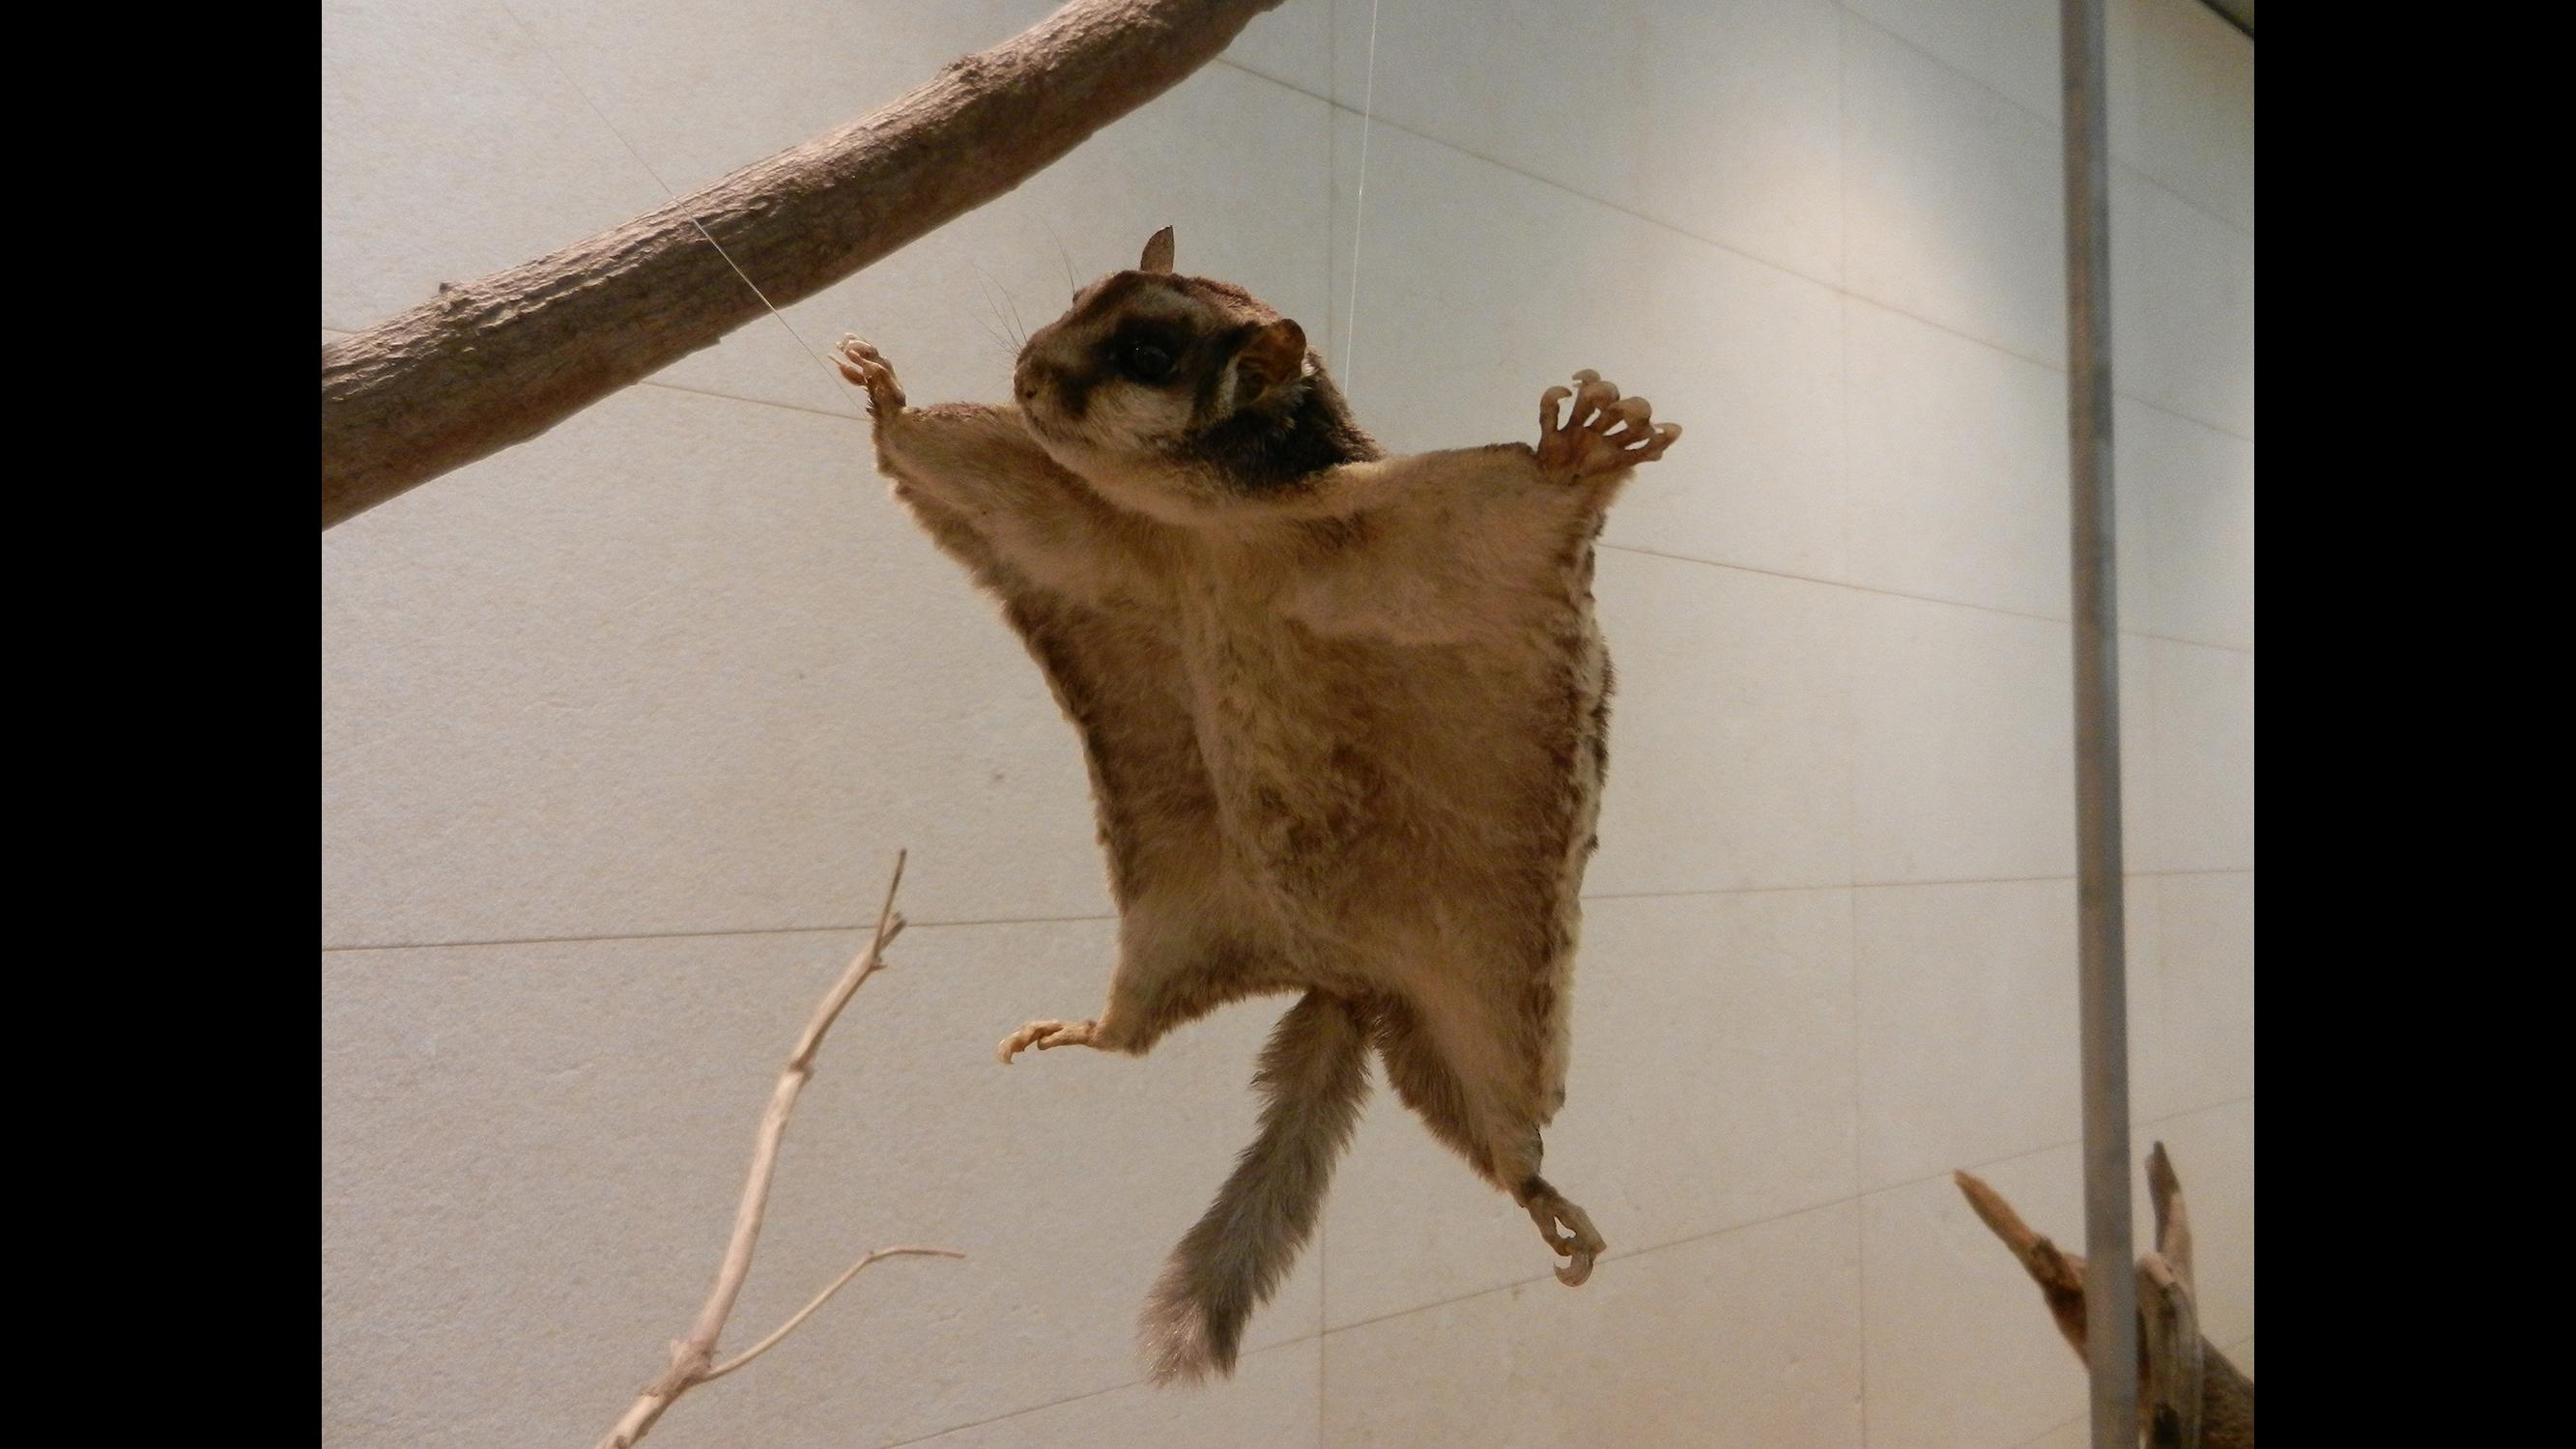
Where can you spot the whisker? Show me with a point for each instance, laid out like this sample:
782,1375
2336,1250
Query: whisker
985,282
1023,327
1067,257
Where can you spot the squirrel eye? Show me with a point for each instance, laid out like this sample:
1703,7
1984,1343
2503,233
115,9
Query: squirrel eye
1148,363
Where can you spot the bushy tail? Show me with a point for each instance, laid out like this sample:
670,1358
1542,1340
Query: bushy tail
1313,1077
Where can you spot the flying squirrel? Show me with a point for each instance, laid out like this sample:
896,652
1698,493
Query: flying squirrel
1345,717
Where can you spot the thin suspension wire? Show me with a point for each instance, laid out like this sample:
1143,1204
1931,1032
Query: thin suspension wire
843,388
1359,204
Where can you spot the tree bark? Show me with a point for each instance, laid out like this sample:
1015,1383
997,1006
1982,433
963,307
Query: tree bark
494,362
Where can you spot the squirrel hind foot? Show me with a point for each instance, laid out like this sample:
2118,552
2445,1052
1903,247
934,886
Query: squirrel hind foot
1567,1229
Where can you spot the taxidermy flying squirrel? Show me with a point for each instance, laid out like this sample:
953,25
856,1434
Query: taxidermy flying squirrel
1345,718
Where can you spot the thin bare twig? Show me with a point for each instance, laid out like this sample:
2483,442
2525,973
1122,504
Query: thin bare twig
784,1329
693,1358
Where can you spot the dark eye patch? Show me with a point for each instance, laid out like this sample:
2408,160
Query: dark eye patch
1147,354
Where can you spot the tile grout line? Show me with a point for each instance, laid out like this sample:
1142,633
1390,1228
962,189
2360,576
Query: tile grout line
1849,712
1829,583
1616,547
836,929
737,397
2054,123
1815,1207
2148,403
1629,1256
1860,1217
1943,327
2056,1428
1841,287
1323,1332
1249,1354
1613,547
1897,594
1335,345
840,390
1607,205
1980,83
1322,1338
1838,287
928,925
2151,833
1840,292
1844,383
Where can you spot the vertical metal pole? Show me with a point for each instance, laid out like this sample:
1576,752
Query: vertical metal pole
2110,1287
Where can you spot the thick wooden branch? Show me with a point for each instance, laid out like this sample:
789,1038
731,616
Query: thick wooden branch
490,363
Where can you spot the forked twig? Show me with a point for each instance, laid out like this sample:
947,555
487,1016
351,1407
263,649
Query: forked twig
693,1358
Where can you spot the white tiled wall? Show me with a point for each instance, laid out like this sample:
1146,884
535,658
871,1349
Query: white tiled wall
621,725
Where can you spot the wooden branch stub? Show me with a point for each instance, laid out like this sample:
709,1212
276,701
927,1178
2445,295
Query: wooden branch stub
2059,1274
2173,1224
489,363
2189,1395
2169,1338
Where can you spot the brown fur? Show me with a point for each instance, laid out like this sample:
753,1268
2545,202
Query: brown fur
1344,717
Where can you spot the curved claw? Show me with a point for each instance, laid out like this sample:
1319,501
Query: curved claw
1579,1241
1652,446
864,365
1603,434
1628,424
1592,401
1548,425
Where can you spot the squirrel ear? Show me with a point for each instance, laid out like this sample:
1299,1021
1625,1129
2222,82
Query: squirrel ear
1273,355
1158,252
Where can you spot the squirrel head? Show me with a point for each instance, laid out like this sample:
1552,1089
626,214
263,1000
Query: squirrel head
1177,395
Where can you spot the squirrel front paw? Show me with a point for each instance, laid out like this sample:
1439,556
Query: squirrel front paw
1602,434
867,367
